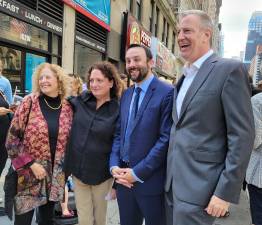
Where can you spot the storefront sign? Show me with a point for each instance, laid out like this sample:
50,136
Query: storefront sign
98,11
136,33
90,43
19,11
163,58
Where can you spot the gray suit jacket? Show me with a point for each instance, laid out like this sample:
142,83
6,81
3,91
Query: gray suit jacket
211,141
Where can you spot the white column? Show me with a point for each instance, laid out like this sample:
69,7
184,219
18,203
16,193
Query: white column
68,39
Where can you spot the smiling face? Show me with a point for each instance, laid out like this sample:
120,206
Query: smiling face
48,82
100,85
193,39
137,65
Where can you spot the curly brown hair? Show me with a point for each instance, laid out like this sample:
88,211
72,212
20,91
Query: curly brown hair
62,79
111,73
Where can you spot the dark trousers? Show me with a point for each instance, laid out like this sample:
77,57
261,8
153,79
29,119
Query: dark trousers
46,213
134,207
255,197
3,158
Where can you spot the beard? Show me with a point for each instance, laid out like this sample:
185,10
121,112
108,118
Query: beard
143,71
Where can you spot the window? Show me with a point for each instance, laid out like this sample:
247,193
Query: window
138,9
173,42
157,18
23,33
130,5
167,34
152,15
164,30
84,58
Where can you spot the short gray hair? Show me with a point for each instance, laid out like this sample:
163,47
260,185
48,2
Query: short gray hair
205,20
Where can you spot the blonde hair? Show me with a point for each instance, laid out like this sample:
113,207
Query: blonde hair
62,79
78,81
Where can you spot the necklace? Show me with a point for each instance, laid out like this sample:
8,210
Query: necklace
54,108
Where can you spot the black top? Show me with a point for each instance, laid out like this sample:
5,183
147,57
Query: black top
4,123
52,118
91,139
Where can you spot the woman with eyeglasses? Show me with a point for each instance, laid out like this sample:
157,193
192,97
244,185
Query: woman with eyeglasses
43,119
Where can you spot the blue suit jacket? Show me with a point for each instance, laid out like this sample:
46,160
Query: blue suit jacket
149,136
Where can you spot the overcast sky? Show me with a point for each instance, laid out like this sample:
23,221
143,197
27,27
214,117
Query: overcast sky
234,16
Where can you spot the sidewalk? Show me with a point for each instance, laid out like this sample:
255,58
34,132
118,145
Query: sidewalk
239,214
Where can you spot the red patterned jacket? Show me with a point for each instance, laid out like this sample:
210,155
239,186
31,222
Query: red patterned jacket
35,146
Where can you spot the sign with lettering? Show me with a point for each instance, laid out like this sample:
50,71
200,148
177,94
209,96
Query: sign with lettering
136,33
98,10
17,10
163,58
82,39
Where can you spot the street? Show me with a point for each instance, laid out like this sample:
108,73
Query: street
239,214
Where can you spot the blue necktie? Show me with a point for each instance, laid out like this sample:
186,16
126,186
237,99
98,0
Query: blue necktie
131,119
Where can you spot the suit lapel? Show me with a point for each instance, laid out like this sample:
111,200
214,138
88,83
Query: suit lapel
199,79
126,106
177,87
145,102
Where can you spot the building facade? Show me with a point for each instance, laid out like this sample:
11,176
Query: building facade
149,22
255,69
57,31
254,36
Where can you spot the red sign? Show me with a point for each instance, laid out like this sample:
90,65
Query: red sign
136,33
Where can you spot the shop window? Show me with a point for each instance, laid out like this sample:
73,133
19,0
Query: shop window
84,58
23,33
11,59
55,44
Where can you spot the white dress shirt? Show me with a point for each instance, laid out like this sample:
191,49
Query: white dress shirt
189,72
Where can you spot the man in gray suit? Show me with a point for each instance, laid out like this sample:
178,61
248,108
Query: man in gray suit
213,129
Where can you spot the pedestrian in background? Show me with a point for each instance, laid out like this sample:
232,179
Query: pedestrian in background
5,86
87,159
254,170
138,158
44,120
213,129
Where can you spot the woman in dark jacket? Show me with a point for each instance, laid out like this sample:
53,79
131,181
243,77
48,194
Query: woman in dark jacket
95,116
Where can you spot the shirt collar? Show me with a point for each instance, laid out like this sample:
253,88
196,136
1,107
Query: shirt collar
198,63
188,69
145,83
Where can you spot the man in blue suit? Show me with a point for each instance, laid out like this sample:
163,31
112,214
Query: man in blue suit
138,158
